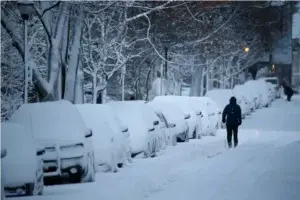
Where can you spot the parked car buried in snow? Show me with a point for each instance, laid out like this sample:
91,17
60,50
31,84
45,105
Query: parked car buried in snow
177,125
242,92
210,112
23,165
143,134
275,83
59,127
110,138
182,102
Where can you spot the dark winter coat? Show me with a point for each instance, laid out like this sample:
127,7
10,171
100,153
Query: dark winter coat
288,91
232,113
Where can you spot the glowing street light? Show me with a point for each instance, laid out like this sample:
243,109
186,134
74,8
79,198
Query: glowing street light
246,49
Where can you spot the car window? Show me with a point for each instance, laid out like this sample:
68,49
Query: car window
162,119
273,81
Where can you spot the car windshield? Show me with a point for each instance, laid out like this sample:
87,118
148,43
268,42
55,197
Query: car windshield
273,81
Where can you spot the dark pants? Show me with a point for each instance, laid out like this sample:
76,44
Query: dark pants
232,129
289,97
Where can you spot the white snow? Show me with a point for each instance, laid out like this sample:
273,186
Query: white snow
57,120
172,114
105,140
183,103
21,155
264,166
131,114
220,96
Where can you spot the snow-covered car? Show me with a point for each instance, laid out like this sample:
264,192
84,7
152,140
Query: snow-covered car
272,91
166,129
175,119
160,130
275,83
144,135
242,100
110,137
251,87
210,112
60,129
183,102
247,96
221,97
23,166
263,90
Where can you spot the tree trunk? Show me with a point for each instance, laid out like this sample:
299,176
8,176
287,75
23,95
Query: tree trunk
79,85
95,92
73,65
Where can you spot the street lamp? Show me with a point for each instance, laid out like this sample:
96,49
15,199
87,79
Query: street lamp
246,49
25,8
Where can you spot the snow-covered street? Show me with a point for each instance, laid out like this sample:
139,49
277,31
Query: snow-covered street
266,165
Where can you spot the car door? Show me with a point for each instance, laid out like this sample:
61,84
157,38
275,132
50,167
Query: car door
164,128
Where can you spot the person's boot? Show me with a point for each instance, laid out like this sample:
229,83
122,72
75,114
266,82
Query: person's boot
235,145
229,145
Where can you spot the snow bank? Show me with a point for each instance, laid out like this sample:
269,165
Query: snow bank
58,120
20,163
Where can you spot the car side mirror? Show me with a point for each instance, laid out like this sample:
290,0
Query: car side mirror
124,130
88,133
3,153
187,116
155,123
172,125
40,152
151,129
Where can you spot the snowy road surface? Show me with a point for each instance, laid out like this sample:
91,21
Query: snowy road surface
265,166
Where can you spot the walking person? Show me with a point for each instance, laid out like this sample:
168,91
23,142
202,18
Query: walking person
232,116
288,91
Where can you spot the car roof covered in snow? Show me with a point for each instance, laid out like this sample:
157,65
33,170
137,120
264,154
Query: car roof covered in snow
220,96
183,102
57,120
170,111
103,113
134,112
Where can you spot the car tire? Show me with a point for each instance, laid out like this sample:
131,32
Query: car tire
90,175
147,152
195,134
187,137
31,189
41,191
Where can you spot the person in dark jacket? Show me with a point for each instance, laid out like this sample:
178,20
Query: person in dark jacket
132,98
232,115
288,91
